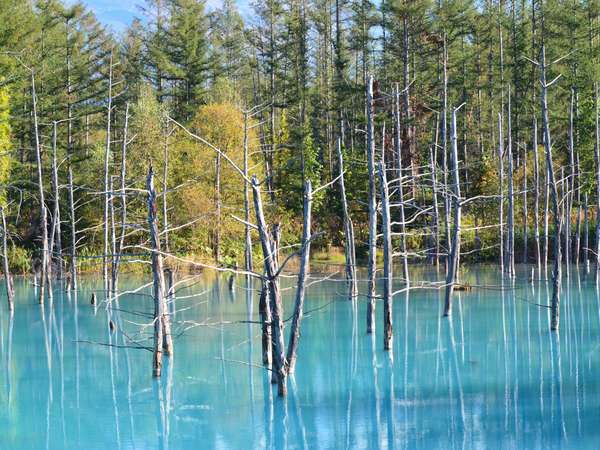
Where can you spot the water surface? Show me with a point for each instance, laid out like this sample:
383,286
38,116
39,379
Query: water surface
492,377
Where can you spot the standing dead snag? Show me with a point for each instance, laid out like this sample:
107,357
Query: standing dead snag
106,176
55,241
348,230
10,293
163,341
73,264
597,160
248,240
387,259
302,278
43,211
273,293
557,273
456,202
372,264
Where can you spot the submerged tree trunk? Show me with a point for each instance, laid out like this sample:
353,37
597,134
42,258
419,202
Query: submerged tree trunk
557,273
387,259
106,178
73,264
162,328
274,293
248,236
348,230
397,144
451,275
292,351
10,293
536,199
55,241
43,211
501,190
372,263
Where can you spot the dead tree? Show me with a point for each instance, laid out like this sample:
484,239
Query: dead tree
397,144
349,248
501,191
536,199
73,222
248,236
597,160
163,341
273,293
292,351
453,259
109,107
509,265
387,259
557,272
10,293
43,211
122,194
55,241
372,262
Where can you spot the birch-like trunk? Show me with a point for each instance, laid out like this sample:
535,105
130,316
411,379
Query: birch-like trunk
557,272
274,293
536,199
292,351
43,211
106,179
387,259
350,252
10,293
372,262
452,273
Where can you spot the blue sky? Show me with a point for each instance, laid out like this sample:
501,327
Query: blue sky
118,14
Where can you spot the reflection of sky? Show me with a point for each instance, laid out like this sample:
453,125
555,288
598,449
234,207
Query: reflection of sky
118,14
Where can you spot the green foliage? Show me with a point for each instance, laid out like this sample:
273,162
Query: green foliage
19,260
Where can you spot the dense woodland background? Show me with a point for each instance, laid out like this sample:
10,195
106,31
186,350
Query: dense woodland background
295,73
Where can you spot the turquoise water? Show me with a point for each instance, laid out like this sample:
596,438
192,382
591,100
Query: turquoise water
492,377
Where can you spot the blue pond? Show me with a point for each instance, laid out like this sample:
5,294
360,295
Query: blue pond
491,377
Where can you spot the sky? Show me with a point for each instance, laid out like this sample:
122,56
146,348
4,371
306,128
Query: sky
118,14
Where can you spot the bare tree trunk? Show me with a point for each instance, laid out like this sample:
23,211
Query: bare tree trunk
525,256
55,241
106,178
436,215
445,169
577,249
556,282
372,263
397,143
274,293
165,187
160,312
536,199
217,230
387,259
510,242
455,250
292,351
10,293
264,310
248,243
501,190
123,195
73,266
43,211
568,198
348,230
586,232
597,160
